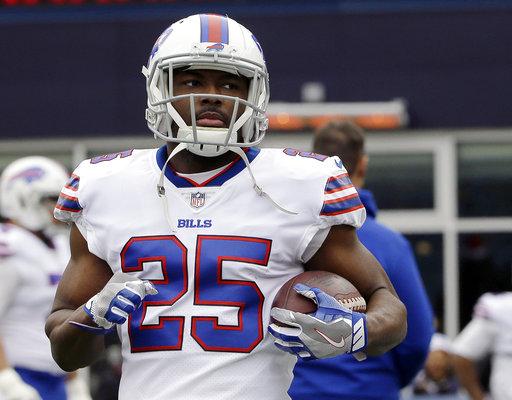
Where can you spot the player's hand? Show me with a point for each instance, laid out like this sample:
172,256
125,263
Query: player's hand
12,387
121,296
330,331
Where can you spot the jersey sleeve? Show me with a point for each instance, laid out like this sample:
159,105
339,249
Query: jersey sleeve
341,204
336,202
68,207
477,338
484,306
71,206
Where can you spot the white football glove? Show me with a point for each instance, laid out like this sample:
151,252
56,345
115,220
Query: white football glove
12,387
121,296
331,330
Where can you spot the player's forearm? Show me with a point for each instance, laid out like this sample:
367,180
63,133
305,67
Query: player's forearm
468,377
72,348
386,319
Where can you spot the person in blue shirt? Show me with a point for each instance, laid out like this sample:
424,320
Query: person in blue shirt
381,377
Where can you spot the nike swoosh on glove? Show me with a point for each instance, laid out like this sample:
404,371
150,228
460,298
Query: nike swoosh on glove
121,296
331,330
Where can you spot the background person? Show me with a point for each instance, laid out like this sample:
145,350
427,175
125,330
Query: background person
488,334
33,254
437,376
383,376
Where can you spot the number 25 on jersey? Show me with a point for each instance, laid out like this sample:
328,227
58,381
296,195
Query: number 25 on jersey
170,255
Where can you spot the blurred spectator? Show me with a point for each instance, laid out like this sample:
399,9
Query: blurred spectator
437,377
488,334
380,377
33,255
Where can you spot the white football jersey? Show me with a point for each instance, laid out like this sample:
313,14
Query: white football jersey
217,265
29,273
490,333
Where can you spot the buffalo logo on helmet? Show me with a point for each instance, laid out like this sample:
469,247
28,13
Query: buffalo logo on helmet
215,47
29,175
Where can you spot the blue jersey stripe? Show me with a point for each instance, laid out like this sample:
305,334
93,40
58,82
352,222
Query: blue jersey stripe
73,182
68,203
341,206
337,182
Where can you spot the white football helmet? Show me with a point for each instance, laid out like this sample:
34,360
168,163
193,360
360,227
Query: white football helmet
24,185
207,41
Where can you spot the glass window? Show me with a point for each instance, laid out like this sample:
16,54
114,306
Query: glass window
402,181
485,184
428,249
485,265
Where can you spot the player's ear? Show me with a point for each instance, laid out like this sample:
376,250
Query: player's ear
361,168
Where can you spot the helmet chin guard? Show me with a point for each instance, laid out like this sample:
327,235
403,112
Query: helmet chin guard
193,44
200,146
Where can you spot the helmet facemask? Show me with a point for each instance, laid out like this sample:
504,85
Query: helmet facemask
246,130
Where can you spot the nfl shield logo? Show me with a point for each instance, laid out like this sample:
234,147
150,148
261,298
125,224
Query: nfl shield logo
197,199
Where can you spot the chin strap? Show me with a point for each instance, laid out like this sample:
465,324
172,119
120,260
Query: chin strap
182,146
160,189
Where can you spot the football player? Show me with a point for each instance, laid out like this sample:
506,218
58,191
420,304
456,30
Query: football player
33,254
182,248
489,333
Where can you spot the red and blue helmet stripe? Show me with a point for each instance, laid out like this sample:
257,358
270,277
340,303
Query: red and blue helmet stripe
214,28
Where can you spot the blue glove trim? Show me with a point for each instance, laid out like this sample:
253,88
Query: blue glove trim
282,336
129,295
88,311
328,308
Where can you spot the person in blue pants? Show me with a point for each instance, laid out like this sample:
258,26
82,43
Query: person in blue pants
382,377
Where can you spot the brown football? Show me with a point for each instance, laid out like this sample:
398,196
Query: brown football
332,284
